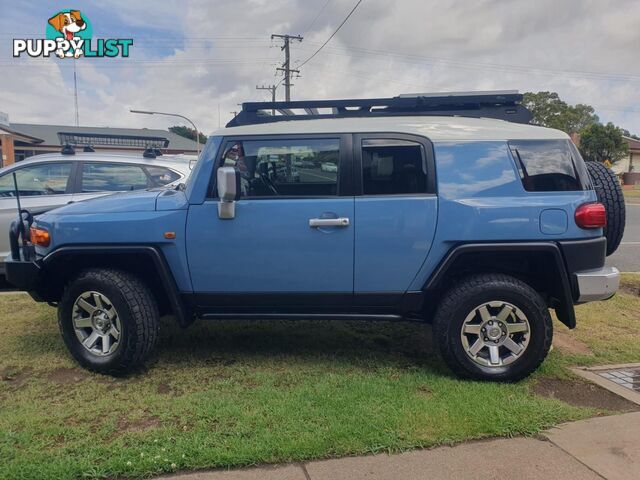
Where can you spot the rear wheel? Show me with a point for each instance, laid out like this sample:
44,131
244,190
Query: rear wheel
108,320
610,194
493,327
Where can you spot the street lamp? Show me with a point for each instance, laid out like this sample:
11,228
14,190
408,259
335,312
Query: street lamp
148,112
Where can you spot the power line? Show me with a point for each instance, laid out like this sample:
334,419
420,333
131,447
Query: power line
332,35
313,22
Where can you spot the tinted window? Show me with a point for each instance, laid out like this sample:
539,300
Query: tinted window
546,165
43,179
161,176
393,167
273,168
112,177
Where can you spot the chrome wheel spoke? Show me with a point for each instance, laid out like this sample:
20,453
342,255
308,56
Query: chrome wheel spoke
114,333
86,306
513,346
97,299
494,355
476,347
82,322
517,327
472,329
106,343
504,313
484,313
91,340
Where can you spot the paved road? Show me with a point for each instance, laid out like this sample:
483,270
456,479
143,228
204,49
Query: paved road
627,257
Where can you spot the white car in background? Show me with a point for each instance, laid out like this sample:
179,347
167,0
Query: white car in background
328,167
52,180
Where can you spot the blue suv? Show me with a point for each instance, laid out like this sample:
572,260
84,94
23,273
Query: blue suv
446,209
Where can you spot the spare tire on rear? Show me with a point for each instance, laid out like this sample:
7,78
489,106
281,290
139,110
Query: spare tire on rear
609,193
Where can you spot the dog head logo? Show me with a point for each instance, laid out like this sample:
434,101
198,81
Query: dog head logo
70,29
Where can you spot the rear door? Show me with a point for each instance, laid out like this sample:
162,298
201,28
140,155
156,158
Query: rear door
291,241
396,213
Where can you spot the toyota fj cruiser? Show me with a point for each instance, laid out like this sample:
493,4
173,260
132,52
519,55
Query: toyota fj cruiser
448,209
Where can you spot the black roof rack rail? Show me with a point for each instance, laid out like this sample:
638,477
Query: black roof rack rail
503,105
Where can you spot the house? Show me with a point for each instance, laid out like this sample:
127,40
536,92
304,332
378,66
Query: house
22,140
631,163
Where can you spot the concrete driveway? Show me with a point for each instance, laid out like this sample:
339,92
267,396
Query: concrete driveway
627,257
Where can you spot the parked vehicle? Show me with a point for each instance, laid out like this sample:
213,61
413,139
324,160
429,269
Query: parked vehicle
329,167
52,180
444,209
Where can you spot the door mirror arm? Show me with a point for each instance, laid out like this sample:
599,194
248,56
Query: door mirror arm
228,184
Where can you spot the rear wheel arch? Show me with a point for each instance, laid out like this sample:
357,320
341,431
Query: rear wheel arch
538,264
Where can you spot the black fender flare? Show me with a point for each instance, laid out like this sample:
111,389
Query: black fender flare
183,316
564,311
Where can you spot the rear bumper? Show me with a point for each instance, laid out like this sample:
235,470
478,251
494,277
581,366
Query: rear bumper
598,284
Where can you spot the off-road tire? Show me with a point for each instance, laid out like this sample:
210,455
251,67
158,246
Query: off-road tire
610,194
138,313
467,295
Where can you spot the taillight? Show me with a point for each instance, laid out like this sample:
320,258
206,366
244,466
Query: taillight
40,237
591,215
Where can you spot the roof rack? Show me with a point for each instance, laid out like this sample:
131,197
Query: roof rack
503,105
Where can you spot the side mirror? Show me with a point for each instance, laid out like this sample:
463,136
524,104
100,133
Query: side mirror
228,185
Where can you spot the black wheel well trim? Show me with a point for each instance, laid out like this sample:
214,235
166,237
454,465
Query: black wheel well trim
565,311
159,261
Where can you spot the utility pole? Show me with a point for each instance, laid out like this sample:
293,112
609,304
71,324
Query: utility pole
272,89
286,66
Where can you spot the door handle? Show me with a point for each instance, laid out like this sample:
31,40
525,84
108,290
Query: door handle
329,222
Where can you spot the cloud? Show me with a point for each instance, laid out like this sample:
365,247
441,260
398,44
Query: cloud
192,58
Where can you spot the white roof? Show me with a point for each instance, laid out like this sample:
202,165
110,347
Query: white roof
435,128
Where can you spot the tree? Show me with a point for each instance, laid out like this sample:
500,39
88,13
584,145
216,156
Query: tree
188,132
550,111
603,142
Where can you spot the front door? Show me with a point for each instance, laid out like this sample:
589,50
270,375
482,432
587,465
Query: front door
291,241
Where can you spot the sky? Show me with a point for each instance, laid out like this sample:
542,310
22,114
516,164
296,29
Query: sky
201,58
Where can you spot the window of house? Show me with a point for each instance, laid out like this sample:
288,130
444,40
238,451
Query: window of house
289,167
44,179
112,177
392,167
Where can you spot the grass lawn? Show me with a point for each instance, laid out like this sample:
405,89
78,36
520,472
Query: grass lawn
239,393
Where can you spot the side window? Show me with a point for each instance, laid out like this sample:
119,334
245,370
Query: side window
161,176
43,179
391,167
546,165
112,177
275,168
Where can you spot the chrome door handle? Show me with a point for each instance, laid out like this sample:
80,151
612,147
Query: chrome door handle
329,222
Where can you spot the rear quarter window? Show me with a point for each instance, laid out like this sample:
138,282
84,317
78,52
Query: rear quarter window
549,165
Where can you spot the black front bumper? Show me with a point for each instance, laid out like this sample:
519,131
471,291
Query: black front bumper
23,274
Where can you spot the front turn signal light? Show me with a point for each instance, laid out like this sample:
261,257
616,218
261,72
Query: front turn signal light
40,237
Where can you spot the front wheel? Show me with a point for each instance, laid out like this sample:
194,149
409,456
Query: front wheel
108,320
493,327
